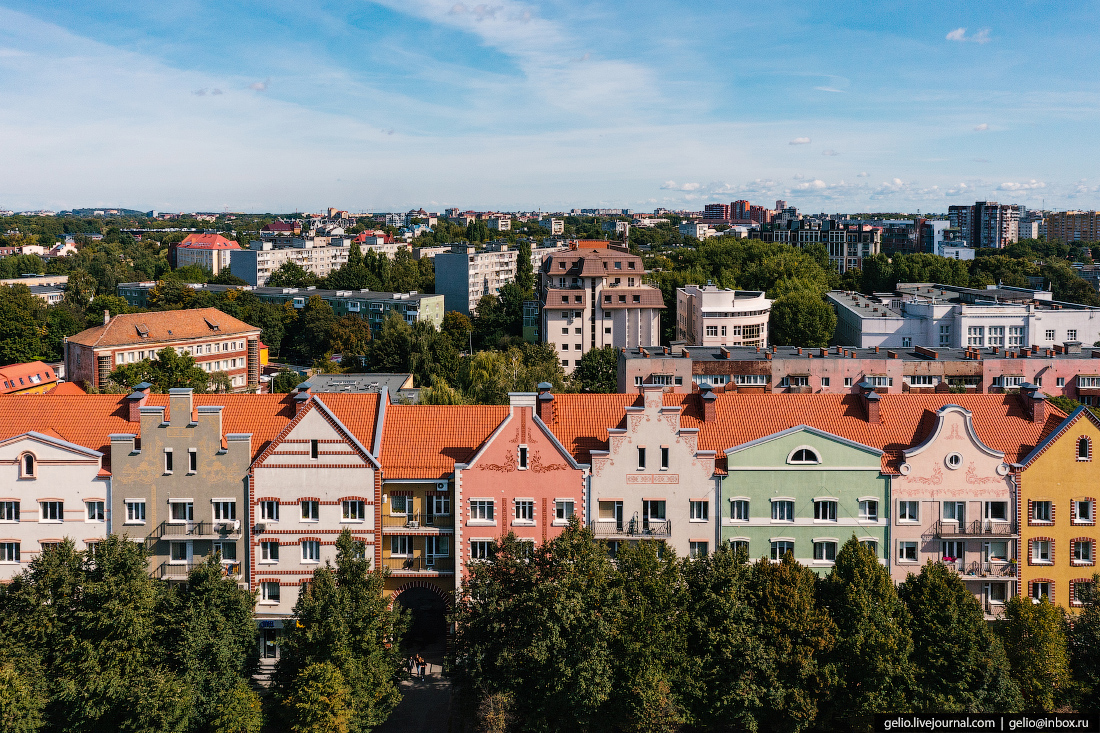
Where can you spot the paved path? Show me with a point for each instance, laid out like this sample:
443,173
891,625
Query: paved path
426,704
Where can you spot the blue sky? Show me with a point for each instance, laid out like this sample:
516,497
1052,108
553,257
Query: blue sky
371,106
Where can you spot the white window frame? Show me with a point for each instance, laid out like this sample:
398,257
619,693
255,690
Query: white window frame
776,513
737,503
270,592
43,515
92,505
904,546
560,515
9,511
266,554
864,515
523,512
269,510
131,507
353,511
189,512
311,552
698,510
824,543
482,512
825,502
1037,557
11,553
906,515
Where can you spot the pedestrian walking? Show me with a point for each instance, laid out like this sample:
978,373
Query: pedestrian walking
422,665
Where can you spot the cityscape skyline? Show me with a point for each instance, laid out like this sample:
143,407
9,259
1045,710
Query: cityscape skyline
517,106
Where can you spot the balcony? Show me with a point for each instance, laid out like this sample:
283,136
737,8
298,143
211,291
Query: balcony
981,568
219,530
977,528
638,528
180,571
418,521
420,564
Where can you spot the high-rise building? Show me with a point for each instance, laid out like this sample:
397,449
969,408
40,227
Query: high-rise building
780,204
716,211
1073,226
740,209
464,274
986,223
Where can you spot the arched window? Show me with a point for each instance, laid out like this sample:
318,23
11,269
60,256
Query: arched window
27,466
804,455
1084,449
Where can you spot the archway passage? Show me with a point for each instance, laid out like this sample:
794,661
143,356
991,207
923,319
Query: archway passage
428,622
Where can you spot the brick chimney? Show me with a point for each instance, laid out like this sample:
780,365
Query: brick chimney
301,399
545,403
106,317
137,400
1034,402
710,412
871,402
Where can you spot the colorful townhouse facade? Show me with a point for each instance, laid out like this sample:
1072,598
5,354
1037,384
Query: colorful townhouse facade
1057,508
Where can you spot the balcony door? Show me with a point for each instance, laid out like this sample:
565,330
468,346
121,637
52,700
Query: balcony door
955,511
652,511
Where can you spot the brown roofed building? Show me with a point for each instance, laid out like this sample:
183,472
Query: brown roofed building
218,342
593,296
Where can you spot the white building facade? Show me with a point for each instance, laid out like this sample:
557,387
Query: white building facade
320,255
465,274
712,316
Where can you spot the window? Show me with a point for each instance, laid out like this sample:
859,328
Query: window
228,550
53,511
225,511
269,511
907,551
1041,511
906,341
783,511
95,511
637,381
868,509
664,456
353,510
28,466
921,380
135,511
400,504
9,511
996,510
481,550
797,381
168,460
825,551
1015,335
738,545
954,511
1071,335
1084,449
563,510
481,510
781,548
440,504
525,511
953,460
804,455
743,380
269,591
1082,551
192,461
611,511
880,381
699,511
1039,590
825,511
177,552
314,449
641,458
181,511
997,592
952,550
1050,334
1060,381
269,551
310,511
523,458
1083,511
996,336
712,330
739,510
871,545
311,551
653,509
697,549
908,511
824,381
9,552
1040,551
847,381
437,546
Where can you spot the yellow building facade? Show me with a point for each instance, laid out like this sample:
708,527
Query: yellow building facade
1058,483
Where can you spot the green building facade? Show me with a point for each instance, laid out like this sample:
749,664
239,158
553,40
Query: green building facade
805,491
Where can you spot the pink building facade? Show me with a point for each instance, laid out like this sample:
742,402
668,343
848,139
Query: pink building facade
521,480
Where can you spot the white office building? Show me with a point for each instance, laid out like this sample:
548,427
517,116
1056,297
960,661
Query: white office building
712,316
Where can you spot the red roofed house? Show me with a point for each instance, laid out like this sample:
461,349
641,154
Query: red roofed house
218,342
209,251
29,378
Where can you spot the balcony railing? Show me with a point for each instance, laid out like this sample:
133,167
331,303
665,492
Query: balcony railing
977,528
220,530
420,564
418,521
981,568
180,570
643,528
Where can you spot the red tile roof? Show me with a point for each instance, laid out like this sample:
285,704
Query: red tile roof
207,241
11,374
581,421
357,411
67,388
425,441
163,326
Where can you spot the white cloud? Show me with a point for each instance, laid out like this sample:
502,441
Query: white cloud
962,188
830,152
260,86
959,35
981,36
673,186
800,141
815,185
1030,185
834,90
982,127
862,174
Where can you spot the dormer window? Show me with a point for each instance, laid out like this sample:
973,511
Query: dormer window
28,466
805,455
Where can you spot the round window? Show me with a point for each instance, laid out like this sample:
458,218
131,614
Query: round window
954,460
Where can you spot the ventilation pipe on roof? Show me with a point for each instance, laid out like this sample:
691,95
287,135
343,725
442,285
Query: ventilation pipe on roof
545,403
106,316
1034,402
137,400
871,402
301,399
710,411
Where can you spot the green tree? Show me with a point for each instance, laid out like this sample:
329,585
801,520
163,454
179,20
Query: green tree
801,318
457,327
342,618
321,701
20,703
1035,640
525,273
598,371
350,336
961,666
285,381
440,393
238,711
291,275
1085,648
873,645
168,371
80,289
314,329
484,379
171,294
20,338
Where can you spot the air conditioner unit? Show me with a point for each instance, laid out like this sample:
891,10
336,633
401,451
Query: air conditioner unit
413,524
260,527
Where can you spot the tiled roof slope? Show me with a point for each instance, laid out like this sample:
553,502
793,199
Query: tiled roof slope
10,374
581,421
207,241
192,323
67,388
357,411
425,441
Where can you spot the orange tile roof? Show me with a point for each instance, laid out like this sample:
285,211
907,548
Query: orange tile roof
10,375
581,421
163,326
207,241
357,411
425,441
67,388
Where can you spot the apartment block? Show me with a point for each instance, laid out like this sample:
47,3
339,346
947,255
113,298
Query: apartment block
556,226
465,274
849,241
318,255
711,316
211,252
1073,226
593,296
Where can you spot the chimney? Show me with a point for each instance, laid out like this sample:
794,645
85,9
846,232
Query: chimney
710,412
1034,402
545,403
137,400
800,351
301,399
725,352
871,401
106,316
181,406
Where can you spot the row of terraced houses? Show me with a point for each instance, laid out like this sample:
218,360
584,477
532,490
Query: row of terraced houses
999,487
